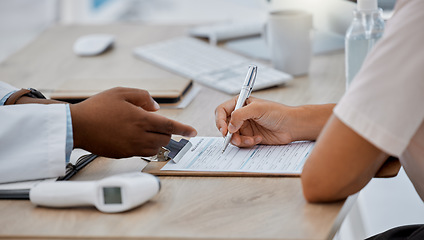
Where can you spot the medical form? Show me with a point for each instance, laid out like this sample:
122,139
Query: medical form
205,154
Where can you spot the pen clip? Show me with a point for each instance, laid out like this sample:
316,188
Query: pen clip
251,78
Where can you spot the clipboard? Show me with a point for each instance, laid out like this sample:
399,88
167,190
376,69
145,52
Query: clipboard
163,90
389,169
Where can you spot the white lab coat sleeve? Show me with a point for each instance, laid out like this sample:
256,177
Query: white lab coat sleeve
5,89
32,141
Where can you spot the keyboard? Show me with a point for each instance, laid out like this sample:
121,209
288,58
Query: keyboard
209,65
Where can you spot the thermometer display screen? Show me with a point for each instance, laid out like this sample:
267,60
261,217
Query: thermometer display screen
112,195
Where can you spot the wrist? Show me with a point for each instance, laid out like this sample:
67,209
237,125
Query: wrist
76,126
309,120
26,94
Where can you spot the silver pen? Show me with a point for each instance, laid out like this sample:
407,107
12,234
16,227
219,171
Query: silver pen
245,91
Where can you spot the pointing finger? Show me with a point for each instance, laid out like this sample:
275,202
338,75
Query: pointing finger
163,125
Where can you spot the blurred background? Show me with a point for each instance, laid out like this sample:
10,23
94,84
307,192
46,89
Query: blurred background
22,20
383,204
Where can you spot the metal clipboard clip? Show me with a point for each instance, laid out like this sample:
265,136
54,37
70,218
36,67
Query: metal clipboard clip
170,151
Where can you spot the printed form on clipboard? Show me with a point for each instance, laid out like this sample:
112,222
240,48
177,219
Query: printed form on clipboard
204,154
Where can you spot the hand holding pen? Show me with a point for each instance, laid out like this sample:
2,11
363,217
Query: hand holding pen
245,91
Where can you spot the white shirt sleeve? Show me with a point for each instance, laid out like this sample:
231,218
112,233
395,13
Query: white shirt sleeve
385,103
33,140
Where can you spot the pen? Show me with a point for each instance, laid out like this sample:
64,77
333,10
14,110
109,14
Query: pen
245,91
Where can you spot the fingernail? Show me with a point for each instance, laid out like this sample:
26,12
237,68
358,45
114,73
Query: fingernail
192,134
248,141
156,105
231,128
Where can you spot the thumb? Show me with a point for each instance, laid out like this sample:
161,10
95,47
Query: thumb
141,98
239,116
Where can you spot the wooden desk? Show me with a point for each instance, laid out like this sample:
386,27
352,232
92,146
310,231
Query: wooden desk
186,207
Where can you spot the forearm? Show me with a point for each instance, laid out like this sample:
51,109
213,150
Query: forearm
38,144
341,163
69,135
309,120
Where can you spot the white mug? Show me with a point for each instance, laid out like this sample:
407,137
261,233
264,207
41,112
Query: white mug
288,34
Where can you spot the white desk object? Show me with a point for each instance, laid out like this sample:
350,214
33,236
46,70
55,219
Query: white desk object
228,30
113,194
209,65
93,44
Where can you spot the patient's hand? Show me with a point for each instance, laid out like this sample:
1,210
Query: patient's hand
266,122
120,123
260,121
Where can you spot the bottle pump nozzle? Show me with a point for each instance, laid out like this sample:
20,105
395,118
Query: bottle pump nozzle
367,5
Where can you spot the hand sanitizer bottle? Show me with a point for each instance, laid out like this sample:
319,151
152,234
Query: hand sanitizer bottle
365,30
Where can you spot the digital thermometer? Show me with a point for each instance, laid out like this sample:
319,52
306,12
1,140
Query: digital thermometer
112,194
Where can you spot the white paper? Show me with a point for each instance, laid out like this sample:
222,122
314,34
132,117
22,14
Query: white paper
206,155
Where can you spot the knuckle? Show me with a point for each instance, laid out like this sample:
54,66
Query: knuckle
141,123
144,93
118,89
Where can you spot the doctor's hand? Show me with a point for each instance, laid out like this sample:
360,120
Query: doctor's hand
120,123
266,122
